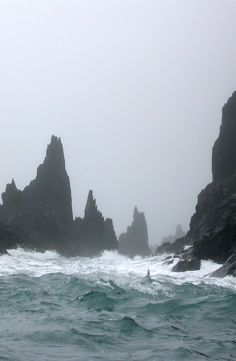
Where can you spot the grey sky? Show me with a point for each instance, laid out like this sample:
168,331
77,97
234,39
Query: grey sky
135,90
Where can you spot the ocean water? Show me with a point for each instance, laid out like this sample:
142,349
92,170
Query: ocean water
53,308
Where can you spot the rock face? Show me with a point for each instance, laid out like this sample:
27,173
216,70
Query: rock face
228,269
184,265
224,150
42,213
8,240
213,226
135,241
92,234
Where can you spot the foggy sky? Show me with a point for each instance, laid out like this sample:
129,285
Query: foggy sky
134,89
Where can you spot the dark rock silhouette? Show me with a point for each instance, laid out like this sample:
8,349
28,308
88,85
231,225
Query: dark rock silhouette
135,241
8,240
42,213
212,233
92,234
228,269
192,264
95,234
172,243
224,150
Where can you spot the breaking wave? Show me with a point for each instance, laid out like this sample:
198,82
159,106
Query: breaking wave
103,308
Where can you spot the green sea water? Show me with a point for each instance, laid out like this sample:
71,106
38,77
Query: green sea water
53,308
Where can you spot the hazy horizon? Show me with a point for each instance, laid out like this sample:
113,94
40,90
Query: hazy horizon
133,88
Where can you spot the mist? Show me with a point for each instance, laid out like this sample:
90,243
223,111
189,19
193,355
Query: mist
133,88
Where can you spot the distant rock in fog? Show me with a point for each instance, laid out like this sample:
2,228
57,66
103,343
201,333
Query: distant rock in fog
135,241
170,245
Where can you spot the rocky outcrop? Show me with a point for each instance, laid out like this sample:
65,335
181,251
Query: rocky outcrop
135,241
42,213
228,269
173,243
8,240
176,247
188,262
92,234
213,227
192,264
224,150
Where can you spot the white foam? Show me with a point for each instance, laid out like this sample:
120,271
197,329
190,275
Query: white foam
109,266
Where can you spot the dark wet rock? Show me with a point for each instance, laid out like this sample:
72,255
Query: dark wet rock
212,233
42,213
169,260
188,262
228,269
224,150
135,241
8,240
212,227
93,234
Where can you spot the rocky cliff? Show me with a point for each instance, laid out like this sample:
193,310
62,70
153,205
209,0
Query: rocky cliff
41,215
212,232
8,240
135,241
224,150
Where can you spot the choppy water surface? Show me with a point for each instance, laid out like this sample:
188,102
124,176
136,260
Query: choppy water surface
53,308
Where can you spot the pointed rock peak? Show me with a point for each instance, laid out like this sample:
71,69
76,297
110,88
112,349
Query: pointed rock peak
91,206
135,240
11,187
13,184
230,107
224,150
136,212
55,153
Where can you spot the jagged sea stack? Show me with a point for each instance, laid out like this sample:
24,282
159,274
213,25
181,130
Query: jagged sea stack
212,232
135,241
41,214
92,234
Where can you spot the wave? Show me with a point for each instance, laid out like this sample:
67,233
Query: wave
110,269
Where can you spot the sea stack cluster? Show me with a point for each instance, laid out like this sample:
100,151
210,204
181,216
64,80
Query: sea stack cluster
212,233
40,217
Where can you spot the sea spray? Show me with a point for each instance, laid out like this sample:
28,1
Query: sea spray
92,308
